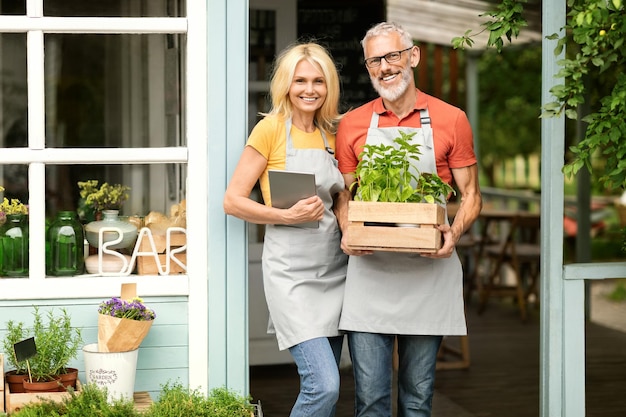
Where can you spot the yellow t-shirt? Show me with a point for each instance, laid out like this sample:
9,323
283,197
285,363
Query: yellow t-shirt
269,139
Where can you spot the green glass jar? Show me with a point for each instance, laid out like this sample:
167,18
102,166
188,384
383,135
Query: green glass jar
65,245
14,246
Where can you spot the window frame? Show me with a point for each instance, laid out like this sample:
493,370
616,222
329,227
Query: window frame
35,25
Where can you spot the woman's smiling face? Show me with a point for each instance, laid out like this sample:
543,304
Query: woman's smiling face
308,88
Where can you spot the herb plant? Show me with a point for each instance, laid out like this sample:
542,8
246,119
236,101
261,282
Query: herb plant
387,173
90,401
57,344
176,400
16,332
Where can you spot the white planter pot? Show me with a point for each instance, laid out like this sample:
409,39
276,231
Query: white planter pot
114,371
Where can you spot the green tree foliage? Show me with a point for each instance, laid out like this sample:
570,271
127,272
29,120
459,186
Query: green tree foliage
592,72
509,105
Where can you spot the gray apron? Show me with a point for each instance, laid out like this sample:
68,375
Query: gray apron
400,293
304,269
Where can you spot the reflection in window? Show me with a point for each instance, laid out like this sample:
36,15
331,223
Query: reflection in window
262,52
13,90
64,193
13,7
14,179
113,90
115,8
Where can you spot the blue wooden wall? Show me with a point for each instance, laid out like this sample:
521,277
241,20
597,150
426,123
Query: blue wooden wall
163,355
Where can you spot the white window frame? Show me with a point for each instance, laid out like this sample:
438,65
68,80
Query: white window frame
35,25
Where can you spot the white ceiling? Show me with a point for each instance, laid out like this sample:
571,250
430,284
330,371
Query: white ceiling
438,21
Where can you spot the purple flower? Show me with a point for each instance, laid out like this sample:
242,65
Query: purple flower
133,309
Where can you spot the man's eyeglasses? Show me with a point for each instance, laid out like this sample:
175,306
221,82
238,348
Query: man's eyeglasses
394,56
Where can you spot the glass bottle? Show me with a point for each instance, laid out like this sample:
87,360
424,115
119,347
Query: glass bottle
65,239
14,246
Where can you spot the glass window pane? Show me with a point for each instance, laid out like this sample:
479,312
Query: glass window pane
153,188
14,180
13,90
115,8
13,7
114,90
262,38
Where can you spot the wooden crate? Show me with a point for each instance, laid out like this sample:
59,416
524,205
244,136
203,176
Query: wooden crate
375,226
142,400
14,402
146,265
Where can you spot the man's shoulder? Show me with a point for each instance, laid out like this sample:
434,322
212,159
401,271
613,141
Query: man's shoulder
435,104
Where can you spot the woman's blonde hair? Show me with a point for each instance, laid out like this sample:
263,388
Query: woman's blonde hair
327,116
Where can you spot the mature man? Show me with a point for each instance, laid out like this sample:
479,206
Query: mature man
416,298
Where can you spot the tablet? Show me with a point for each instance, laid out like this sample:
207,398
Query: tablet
288,187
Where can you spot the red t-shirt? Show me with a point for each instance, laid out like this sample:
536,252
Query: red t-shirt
452,133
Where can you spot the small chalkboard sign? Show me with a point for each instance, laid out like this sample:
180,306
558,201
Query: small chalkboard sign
340,26
25,349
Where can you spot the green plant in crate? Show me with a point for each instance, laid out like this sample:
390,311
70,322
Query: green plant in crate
387,173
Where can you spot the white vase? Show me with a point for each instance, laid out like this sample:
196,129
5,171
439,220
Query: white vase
110,219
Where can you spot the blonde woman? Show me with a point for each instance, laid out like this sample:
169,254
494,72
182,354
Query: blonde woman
304,268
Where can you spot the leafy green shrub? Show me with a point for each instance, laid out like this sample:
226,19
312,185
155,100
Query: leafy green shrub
176,401
90,402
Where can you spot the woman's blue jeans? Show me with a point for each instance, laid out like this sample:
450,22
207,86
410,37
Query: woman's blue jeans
318,366
371,356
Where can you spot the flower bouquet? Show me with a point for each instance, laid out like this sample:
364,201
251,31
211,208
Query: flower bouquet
123,323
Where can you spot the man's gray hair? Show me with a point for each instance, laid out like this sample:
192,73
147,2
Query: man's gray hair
385,28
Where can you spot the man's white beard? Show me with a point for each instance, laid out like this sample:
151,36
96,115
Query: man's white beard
393,93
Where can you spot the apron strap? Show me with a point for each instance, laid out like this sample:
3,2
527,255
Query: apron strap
427,128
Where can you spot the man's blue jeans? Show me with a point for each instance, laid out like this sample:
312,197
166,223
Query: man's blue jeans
318,366
371,356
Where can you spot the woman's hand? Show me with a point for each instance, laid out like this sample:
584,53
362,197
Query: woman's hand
305,210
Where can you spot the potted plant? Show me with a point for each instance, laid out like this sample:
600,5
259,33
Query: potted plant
123,323
57,344
387,179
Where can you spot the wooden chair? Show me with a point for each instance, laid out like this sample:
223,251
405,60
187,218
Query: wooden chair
521,251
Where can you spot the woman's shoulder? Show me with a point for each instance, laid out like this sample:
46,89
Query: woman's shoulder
270,122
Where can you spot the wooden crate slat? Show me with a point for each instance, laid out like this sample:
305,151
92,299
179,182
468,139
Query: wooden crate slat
14,402
395,239
416,213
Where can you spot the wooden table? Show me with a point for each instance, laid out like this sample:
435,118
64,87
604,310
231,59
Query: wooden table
514,243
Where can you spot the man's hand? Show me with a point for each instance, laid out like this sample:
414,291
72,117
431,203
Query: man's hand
449,242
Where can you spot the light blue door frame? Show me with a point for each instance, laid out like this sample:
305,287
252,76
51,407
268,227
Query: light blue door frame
227,63
562,373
